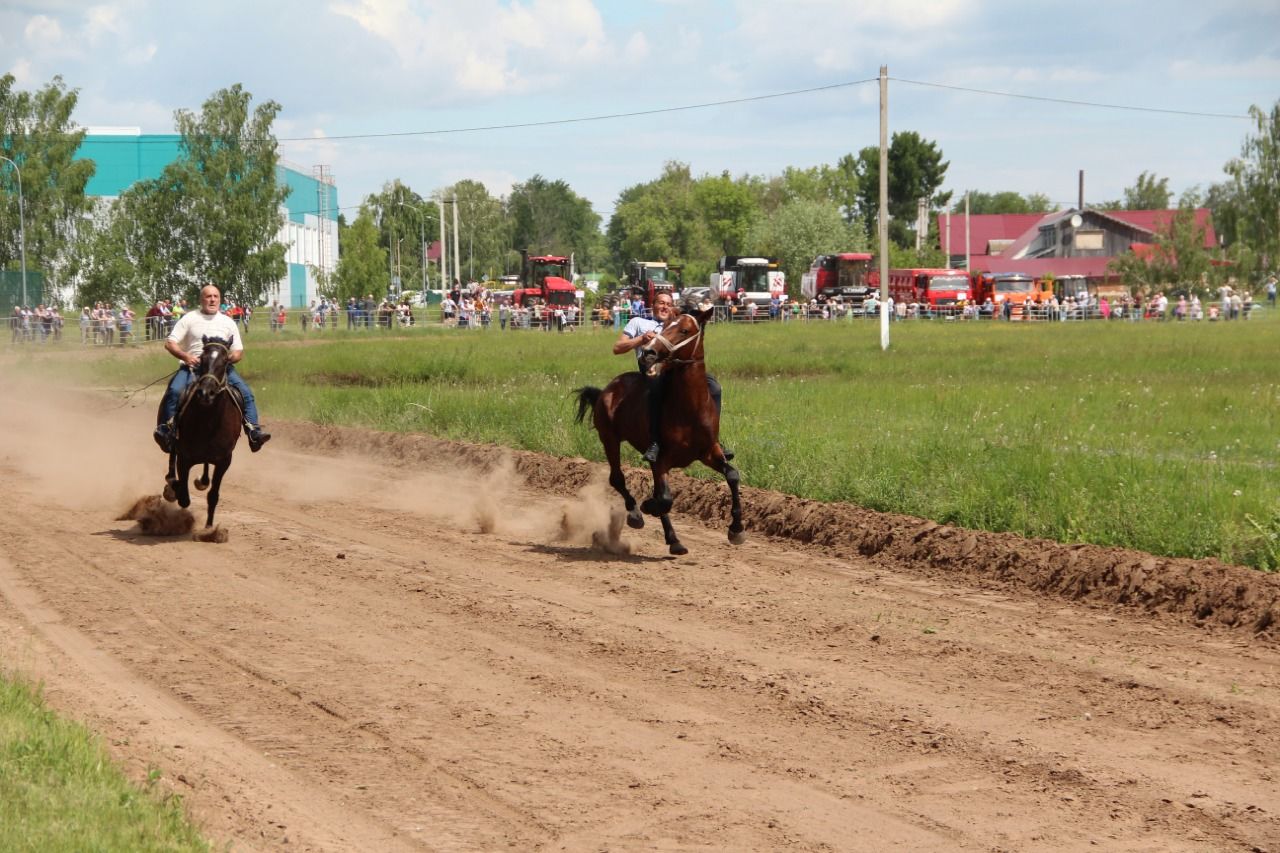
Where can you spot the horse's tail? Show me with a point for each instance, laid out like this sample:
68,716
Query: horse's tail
587,397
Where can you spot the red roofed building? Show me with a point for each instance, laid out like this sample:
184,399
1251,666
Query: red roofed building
1062,243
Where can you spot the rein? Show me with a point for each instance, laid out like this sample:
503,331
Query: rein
220,382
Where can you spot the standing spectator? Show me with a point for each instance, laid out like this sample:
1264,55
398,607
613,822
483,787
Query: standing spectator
504,313
1271,290
85,322
351,313
304,316
126,324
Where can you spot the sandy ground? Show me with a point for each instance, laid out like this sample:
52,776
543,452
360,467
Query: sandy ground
414,645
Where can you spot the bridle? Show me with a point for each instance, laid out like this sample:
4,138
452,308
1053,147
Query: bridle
672,349
219,382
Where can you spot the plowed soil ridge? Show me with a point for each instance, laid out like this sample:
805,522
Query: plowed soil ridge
1205,592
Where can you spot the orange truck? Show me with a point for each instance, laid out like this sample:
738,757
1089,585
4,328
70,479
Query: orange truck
1018,289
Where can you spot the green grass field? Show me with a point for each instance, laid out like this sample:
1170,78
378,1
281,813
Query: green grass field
60,792
1161,437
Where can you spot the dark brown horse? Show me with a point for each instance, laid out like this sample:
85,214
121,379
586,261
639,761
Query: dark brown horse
207,428
690,422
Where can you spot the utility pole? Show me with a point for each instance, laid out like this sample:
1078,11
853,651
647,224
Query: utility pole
948,236
966,232
457,256
444,248
22,228
884,207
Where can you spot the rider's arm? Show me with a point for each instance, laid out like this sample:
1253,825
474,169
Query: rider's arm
627,344
180,354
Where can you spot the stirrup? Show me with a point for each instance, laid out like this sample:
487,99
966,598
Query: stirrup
651,455
257,437
728,454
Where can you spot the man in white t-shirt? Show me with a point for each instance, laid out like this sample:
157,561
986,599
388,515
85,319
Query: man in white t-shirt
186,343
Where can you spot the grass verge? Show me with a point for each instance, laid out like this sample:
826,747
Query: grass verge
59,790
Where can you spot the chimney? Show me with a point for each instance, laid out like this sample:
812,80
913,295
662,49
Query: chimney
1080,205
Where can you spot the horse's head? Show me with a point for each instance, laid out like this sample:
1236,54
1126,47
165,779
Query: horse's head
679,342
214,361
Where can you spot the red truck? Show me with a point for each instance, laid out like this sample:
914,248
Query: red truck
932,289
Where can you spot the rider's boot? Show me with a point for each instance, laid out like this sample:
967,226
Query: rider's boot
164,436
651,455
257,436
728,454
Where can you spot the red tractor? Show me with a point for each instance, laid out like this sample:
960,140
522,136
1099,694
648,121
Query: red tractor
545,277
647,279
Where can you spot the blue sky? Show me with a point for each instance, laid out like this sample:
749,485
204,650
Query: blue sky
352,67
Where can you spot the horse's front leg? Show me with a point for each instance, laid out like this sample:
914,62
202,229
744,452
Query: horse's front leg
659,503
674,546
219,468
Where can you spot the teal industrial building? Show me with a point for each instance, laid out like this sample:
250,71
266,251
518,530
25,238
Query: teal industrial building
124,156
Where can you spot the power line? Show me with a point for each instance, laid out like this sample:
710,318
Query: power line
526,124
1097,104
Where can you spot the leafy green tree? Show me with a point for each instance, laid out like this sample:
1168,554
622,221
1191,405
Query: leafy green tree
37,132
916,171
548,216
402,217
662,219
363,266
837,184
800,230
727,208
484,234
1178,257
1148,193
1006,201
1255,187
228,217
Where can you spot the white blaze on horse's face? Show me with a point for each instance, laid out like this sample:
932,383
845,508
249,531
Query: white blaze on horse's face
681,332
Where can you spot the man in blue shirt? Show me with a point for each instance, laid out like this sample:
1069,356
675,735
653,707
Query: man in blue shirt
638,332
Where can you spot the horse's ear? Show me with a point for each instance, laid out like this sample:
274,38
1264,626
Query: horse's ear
204,339
704,316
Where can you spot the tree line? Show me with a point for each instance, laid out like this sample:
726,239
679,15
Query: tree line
214,213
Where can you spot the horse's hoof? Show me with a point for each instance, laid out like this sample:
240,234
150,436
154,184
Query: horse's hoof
737,538
678,550
646,506
201,485
184,502
635,520
169,494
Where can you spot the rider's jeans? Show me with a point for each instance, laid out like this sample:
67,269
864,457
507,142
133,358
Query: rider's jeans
184,377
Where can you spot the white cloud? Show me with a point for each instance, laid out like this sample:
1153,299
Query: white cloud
1257,68
486,47
637,48
142,55
43,31
21,71
101,21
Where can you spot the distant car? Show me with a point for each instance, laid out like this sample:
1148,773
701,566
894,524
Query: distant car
695,294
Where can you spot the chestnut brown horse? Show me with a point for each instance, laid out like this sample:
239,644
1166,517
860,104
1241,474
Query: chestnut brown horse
690,422
207,428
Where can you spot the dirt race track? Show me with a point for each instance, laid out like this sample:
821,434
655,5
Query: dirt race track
402,647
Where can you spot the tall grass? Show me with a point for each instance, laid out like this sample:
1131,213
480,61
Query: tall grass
1161,437
59,791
